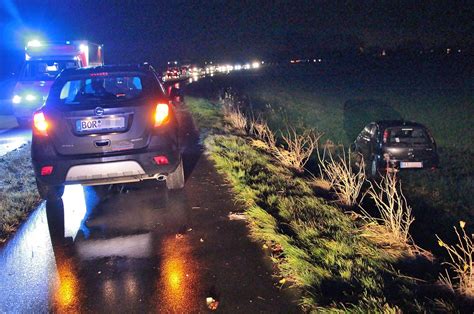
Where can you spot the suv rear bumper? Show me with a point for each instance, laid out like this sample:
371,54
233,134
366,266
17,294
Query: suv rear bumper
132,167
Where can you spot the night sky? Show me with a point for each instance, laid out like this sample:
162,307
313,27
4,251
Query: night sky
157,31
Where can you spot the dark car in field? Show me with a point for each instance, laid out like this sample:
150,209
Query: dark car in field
394,144
105,125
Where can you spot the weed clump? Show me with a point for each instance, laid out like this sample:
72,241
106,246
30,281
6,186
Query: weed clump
297,148
338,172
235,118
461,263
395,213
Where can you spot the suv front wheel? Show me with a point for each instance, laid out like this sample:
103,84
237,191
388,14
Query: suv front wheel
50,192
175,180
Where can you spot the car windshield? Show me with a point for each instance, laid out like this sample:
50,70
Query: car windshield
45,70
107,88
407,136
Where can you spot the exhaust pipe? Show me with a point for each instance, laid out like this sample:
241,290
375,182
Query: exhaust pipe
160,177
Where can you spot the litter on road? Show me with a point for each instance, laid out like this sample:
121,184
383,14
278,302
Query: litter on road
237,216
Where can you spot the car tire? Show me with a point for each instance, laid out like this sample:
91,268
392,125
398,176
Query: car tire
22,123
50,192
175,180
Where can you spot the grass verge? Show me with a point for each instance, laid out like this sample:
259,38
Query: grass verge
18,194
205,113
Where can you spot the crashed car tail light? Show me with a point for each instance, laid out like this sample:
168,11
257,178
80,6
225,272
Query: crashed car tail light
385,135
46,170
40,124
161,114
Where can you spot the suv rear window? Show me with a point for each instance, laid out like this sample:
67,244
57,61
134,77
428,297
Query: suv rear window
407,136
100,88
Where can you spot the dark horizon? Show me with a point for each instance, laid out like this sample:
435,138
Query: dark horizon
158,31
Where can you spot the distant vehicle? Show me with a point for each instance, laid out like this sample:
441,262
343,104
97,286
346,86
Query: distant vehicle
185,70
105,125
172,73
387,145
43,62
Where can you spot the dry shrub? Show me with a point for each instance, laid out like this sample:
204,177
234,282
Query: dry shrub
297,148
346,183
462,263
235,118
265,138
395,214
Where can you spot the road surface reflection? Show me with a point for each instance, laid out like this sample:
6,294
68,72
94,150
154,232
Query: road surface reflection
102,250
178,279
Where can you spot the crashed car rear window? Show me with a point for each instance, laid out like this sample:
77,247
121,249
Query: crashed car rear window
408,136
100,88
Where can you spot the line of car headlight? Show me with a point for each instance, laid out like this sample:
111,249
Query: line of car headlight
26,97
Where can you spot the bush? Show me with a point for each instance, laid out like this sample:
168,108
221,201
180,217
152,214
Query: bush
462,263
346,183
395,214
235,118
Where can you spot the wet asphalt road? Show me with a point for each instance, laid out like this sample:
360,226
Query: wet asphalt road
139,248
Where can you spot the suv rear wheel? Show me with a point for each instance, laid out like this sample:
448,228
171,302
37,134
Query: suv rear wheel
50,192
175,180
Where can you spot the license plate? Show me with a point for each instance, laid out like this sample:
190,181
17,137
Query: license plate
100,124
411,164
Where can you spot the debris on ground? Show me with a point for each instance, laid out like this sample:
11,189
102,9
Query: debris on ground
212,304
201,240
277,249
237,216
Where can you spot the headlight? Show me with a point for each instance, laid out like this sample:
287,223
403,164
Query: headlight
30,97
16,99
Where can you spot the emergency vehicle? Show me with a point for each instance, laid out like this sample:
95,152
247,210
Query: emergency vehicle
43,62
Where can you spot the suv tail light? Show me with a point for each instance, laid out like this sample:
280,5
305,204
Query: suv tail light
40,124
161,114
46,170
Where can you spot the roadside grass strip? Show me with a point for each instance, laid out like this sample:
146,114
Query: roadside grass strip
18,194
205,114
